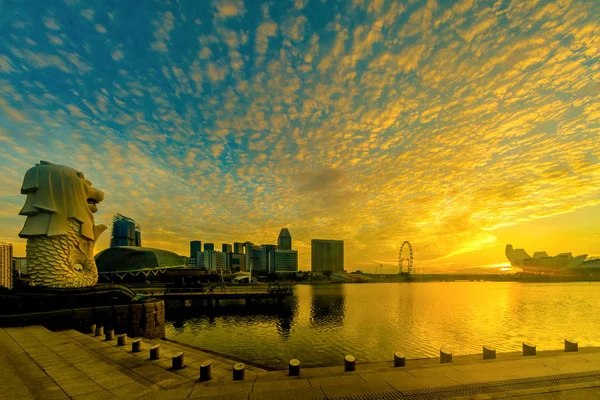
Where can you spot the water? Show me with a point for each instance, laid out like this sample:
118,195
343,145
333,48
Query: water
321,324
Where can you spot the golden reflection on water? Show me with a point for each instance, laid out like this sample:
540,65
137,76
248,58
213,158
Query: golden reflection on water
371,321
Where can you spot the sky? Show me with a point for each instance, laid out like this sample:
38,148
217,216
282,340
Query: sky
459,126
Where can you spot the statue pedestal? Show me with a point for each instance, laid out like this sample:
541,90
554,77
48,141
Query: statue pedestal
109,306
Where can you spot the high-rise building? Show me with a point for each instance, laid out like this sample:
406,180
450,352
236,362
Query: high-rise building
19,266
268,257
195,246
284,242
125,232
6,255
327,255
254,257
286,261
212,260
226,248
238,247
209,246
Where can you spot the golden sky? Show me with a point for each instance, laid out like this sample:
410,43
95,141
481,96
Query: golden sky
459,126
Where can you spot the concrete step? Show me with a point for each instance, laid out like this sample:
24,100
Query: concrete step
136,366
140,361
73,369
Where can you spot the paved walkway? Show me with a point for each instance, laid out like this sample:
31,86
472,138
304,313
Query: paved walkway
36,363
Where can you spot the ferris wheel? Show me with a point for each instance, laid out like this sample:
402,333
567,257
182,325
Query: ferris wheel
408,258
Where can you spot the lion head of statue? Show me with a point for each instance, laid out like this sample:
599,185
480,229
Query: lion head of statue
56,193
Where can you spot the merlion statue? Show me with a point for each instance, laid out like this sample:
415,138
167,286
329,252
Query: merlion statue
60,228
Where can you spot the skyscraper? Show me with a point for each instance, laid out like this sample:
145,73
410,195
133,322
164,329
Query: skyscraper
209,246
226,248
286,261
195,247
284,242
6,255
238,247
125,232
268,257
327,255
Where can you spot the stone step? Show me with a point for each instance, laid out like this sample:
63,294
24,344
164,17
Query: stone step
75,370
222,367
140,368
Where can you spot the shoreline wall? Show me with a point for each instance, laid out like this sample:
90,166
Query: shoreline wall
143,318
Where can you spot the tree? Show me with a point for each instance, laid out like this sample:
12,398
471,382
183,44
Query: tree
327,274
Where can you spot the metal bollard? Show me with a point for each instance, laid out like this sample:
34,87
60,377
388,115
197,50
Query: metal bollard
177,361
99,331
92,328
445,356
399,359
349,363
489,353
109,335
239,372
571,345
122,340
155,352
528,349
294,367
206,371
136,346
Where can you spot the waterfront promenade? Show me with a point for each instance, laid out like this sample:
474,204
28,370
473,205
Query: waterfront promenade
37,363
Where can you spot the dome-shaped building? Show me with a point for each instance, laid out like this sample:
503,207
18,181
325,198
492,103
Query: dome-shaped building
132,263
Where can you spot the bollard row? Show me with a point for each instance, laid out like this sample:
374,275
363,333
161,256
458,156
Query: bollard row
294,364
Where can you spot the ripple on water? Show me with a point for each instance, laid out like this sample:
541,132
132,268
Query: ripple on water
371,321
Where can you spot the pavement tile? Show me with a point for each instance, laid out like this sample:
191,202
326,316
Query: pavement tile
416,383
335,381
59,374
171,394
215,389
133,390
280,385
385,376
148,370
167,380
233,396
101,395
112,380
295,394
78,386
357,389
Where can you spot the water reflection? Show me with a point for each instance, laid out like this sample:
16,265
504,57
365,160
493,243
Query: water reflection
371,321
327,306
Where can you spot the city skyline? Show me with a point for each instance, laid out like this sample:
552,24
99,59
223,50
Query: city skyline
458,126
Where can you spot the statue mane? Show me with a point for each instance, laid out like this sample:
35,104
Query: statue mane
56,193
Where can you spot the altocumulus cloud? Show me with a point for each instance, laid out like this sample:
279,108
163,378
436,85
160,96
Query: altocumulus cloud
368,121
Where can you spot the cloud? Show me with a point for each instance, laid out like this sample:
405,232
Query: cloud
375,122
88,14
229,8
117,55
51,23
163,26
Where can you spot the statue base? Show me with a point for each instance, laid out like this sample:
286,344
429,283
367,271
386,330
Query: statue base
111,306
